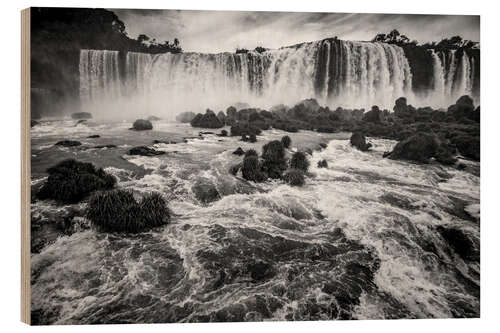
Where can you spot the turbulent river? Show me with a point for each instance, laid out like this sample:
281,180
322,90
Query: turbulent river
358,241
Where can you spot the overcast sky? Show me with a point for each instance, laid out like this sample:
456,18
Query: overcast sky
219,31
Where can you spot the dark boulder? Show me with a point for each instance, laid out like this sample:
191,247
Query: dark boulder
222,133
222,117
185,117
286,141
358,140
299,161
373,116
460,242
94,136
81,121
463,108
207,120
244,128
81,115
274,161
68,143
205,191
142,125
469,146
71,181
239,151
145,151
322,164
420,148
34,123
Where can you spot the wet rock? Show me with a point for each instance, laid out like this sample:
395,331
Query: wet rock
373,116
322,164
207,120
260,271
185,117
251,169
239,151
81,115
358,140
222,117
294,177
110,146
34,123
81,121
145,151
460,242
68,143
274,159
469,146
299,161
222,133
94,136
142,125
205,191
286,141
420,148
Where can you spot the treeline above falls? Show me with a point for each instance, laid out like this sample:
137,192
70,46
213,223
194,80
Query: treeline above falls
335,72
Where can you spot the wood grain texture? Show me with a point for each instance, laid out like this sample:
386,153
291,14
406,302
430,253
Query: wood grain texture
25,167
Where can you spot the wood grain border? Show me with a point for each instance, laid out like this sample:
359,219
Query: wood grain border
25,166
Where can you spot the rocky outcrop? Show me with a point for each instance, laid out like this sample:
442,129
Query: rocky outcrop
142,125
207,120
358,140
68,143
205,191
145,151
421,147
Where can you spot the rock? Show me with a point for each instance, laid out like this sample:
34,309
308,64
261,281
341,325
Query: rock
358,140
322,164
166,142
207,120
251,169
105,146
373,116
244,128
260,271
185,117
468,146
464,108
222,133
419,148
142,125
460,242
81,121
153,118
34,123
222,117
239,151
94,136
144,151
299,161
286,141
68,143
205,191
81,115
274,159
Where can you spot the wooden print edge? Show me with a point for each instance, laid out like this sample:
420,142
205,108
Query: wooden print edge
25,166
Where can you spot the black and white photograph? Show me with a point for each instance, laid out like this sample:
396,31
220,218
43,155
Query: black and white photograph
192,166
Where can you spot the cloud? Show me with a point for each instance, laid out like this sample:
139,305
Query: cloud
219,31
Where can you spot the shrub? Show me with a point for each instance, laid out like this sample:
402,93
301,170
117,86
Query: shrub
286,141
322,164
251,152
70,181
274,163
294,177
251,169
299,161
118,211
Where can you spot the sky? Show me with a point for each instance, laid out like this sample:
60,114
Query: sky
221,31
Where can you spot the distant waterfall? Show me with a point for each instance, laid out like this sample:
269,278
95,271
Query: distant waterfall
438,80
99,75
335,72
453,75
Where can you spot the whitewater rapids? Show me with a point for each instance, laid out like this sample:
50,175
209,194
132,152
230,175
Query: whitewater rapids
358,241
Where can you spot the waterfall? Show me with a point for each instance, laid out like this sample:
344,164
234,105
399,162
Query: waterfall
453,76
99,75
335,72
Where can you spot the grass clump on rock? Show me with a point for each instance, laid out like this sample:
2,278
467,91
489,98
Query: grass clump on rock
286,141
273,154
294,177
118,211
71,181
299,161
